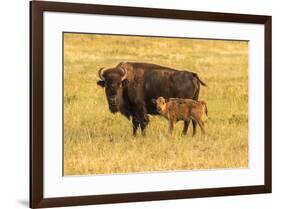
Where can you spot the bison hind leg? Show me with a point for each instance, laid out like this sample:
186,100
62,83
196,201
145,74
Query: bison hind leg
194,124
185,127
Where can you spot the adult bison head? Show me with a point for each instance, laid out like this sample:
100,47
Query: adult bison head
113,80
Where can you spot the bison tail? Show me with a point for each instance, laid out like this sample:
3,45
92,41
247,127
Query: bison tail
200,81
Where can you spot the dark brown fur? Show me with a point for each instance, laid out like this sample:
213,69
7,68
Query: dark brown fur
176,109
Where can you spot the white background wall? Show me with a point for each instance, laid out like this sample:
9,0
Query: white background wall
14,106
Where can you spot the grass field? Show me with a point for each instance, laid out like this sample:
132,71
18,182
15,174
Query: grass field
98,142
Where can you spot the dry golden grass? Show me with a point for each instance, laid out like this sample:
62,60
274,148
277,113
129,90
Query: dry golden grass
98,142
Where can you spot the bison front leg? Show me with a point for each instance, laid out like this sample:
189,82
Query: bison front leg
136,125
141,117
144,123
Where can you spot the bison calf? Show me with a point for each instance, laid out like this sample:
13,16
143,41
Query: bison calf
176,109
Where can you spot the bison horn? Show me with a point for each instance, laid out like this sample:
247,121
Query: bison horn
124,74
101,73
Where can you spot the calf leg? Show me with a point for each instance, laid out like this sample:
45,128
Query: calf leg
171,126
194,122
202,126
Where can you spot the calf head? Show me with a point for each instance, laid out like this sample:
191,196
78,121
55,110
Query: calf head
160,103
113,80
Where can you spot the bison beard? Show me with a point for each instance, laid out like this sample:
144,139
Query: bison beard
130,88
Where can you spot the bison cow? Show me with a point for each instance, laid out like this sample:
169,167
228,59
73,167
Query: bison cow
130,88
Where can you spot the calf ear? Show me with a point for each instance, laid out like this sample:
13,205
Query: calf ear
153,101
101,83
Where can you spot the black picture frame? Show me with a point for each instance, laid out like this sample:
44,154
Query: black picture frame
37,8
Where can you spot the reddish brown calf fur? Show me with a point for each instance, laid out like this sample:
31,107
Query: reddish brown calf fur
176,109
